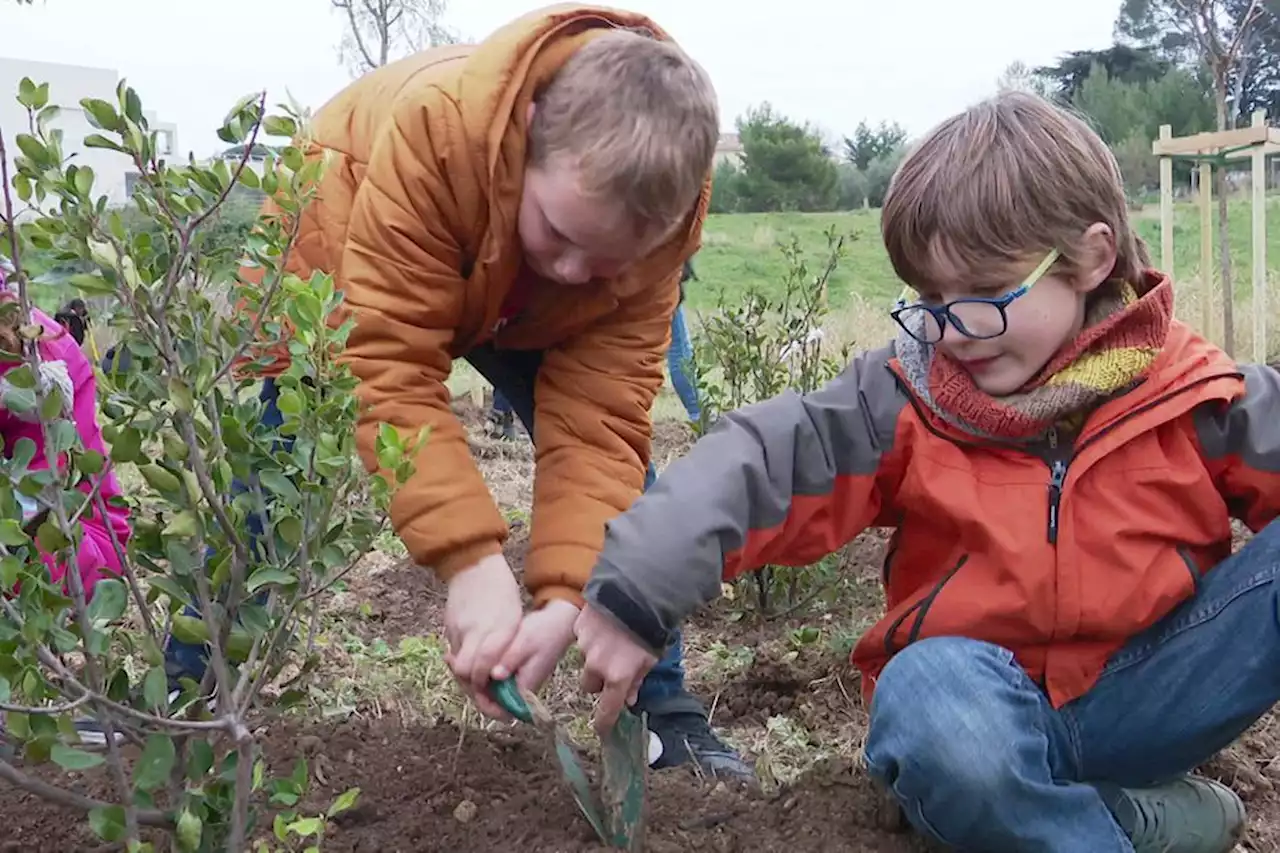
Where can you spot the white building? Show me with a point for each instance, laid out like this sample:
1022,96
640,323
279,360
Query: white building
68,85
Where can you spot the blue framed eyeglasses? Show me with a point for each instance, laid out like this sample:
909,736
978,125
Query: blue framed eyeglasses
977,317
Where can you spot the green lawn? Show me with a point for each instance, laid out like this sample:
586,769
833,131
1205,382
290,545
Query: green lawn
740,249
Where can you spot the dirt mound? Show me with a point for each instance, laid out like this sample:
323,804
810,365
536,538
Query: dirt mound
430,789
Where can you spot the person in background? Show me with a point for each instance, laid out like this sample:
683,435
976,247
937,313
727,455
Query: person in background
64,367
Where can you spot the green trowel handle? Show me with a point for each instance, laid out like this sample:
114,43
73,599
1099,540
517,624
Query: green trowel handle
506,694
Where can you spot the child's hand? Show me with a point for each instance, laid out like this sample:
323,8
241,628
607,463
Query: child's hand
539,644
614,665
481,619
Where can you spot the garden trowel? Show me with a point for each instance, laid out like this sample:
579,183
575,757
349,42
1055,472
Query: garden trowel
618,816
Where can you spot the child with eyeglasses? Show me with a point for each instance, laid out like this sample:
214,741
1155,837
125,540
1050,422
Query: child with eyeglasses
1067,633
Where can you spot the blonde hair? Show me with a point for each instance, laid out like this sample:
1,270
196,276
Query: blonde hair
638,119
1003,183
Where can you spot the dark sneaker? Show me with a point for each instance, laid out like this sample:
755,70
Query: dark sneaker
92,734
679,732
1188,815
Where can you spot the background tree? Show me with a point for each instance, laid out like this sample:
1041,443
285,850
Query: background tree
785,166
1215,34
1122,62
869,143
1020,77
381,31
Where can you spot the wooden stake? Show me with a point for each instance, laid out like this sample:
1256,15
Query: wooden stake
1260,351
1166,208
1208,324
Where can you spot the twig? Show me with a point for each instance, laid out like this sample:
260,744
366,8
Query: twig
47,710
802,603
63,797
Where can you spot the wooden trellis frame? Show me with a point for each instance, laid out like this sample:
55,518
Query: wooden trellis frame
1215,148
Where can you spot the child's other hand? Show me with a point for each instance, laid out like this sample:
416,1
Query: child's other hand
539,644
481,619
614,664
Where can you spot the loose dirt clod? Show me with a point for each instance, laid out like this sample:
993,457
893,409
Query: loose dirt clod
465,812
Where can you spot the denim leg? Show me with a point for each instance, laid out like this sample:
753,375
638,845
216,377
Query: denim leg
1213,663
190,660
977,756
679,356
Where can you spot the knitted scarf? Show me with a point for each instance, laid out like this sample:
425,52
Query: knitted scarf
1124,331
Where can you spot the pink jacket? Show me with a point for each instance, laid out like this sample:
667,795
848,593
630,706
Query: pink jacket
97,556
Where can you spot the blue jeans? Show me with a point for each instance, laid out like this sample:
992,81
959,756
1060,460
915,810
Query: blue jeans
980,760
190,660
679,355
513,375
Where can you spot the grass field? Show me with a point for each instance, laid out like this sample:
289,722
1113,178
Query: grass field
741,249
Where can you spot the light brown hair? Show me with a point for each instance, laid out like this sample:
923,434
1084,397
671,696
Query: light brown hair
639,120
1001,184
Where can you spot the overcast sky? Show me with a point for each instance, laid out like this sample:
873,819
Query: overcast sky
830,62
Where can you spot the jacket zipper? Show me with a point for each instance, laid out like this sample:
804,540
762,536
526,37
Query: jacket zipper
1057,479
1058,463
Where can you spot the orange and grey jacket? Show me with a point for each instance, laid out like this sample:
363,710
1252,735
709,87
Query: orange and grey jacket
1059,554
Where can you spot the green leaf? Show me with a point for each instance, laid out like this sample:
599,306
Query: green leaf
91,462
52,405
109,601
50,537
306,826
263,577
92,284
12,535
84,181
183,524
289,403
23,452
74,759
64,436
155,689
344,802
21,377
20,401
10,568
6,689
31,147
279,126
190,629
189,830
100,113
154,765
200,760
280,484
27,92
97,140
108,823
290,530
127,446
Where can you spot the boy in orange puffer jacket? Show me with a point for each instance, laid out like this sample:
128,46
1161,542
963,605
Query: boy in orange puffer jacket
1067,633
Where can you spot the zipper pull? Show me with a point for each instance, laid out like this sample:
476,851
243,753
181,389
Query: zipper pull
1057,477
